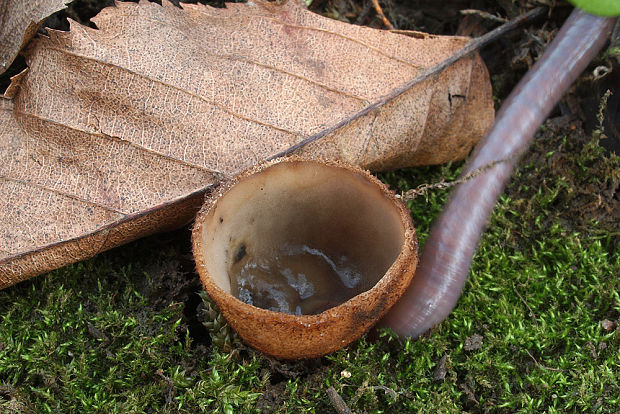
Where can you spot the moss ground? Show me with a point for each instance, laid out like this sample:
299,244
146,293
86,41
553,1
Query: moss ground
535,330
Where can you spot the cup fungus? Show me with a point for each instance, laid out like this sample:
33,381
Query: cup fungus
302,257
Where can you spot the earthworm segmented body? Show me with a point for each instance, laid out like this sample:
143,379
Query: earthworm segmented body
446,258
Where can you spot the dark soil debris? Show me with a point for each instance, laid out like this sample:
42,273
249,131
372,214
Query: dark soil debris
473,342
585,188
440,370
607,325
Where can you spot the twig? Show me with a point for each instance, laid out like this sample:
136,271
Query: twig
339,405
469,48
470,394
423,189
172,391
380,13
484,15
600,116
387,390
541,365
526,305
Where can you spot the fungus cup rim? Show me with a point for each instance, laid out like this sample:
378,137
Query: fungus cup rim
382,295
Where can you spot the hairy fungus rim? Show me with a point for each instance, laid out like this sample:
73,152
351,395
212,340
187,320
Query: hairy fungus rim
398,276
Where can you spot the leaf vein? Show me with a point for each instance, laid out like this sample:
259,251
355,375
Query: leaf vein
331,32
62,193
178,89
217,174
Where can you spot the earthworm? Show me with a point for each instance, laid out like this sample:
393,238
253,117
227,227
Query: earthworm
447,255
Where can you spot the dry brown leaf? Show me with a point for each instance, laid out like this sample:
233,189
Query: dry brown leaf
19,21
116,133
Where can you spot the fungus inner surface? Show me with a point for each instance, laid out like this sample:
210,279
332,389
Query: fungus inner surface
301,237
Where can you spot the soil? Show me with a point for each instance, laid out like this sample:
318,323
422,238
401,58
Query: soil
569,129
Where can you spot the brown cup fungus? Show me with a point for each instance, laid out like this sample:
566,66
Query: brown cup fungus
302,257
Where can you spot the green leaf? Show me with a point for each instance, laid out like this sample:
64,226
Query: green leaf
609,8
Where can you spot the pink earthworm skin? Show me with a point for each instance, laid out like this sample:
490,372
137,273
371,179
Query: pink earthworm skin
446,258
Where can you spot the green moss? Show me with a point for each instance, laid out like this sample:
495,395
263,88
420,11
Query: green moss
85,339
99,337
